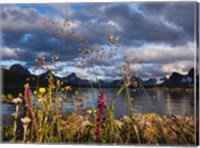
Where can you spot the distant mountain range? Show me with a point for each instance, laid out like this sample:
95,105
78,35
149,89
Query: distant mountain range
17,75
178,80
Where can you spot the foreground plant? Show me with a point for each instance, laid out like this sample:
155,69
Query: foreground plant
101,107
17,101
25,121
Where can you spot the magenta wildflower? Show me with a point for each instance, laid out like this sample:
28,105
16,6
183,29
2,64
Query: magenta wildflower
101,107
27,96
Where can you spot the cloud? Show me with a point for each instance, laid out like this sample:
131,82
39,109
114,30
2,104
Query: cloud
181,14
161,70
160,33
161,53
23,29
62,9
8,53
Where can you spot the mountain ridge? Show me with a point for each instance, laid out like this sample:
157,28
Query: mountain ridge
18,75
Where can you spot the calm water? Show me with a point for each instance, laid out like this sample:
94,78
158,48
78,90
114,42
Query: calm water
160,102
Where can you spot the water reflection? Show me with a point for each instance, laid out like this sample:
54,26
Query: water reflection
160,102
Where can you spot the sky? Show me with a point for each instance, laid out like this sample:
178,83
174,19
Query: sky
160,34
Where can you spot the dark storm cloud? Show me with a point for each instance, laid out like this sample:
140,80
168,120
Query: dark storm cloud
171,24
136,24
181,14
140,27
23,29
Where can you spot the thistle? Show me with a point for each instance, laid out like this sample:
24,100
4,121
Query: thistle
101,106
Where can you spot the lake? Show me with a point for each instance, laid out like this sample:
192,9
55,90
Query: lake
157,101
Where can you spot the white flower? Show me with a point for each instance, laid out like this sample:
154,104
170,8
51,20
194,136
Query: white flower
17,101
25,120
60,99
41,100
14,115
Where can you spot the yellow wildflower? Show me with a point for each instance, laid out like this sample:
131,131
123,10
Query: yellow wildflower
76,92
151,129
89,111
149,117
68,87
9,96
35,92
20,95
42,90
58,82
3,96
39,113
62,89
26,85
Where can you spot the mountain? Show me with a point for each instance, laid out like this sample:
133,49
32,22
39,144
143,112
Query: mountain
135,82
19,68
72,79
115,83
103,83
13,80
179,80
45,76
15,77
191,73
150,82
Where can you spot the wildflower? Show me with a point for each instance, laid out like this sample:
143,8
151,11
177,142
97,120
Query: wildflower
151,129
89,111
68,88
149,117
15,114
25,121
17,101
58,82
40,61
28,96
9,96
112,39
39,113
35,92
54,58
40,100
76,92
42,90
79,64
60,100
3,97
101,106
20,95
26,85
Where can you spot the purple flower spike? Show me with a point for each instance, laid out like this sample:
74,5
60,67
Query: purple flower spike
101,107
